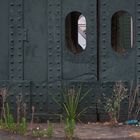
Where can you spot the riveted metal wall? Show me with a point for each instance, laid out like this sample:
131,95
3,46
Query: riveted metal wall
16,37
35,61
137,10
79,67
4,73
54,54
42,55
115,66
14,90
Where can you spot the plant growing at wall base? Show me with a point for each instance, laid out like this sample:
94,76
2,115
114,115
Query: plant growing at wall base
22,126
133,102
71,99
45,132
69,128
49,129
113,103
4,95
9,119
32,117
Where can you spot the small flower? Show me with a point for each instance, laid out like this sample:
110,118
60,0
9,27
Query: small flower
37,128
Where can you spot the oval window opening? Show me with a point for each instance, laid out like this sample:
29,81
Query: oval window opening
75,32
121,32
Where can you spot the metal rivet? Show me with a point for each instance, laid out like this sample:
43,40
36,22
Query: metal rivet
11,69
50,77
11,62
11,26
19,69
12,33
26,85
50,85
19,61
11,19
11,4
12,41
11,76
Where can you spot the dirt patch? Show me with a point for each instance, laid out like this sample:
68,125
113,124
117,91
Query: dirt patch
91,131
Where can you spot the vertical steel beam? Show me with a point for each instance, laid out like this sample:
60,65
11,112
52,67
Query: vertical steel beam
16,39
54,52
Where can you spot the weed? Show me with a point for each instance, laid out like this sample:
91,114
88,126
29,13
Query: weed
69,128
40,133
24,110
32,118
133,102
1,123
113,103
71,98
45,132
22,127
49,129
4,95
9,119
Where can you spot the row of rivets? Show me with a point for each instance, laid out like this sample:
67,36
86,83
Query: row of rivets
50,40
54,50
15,44
138,40
11,39
19,54
92,38
103,43
39,94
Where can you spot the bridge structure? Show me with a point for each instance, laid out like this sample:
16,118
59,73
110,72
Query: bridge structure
40,51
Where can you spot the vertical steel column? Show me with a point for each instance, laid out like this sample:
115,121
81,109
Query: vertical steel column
16,39
98,39
138,41
103,37
54,52
11,38
92,38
